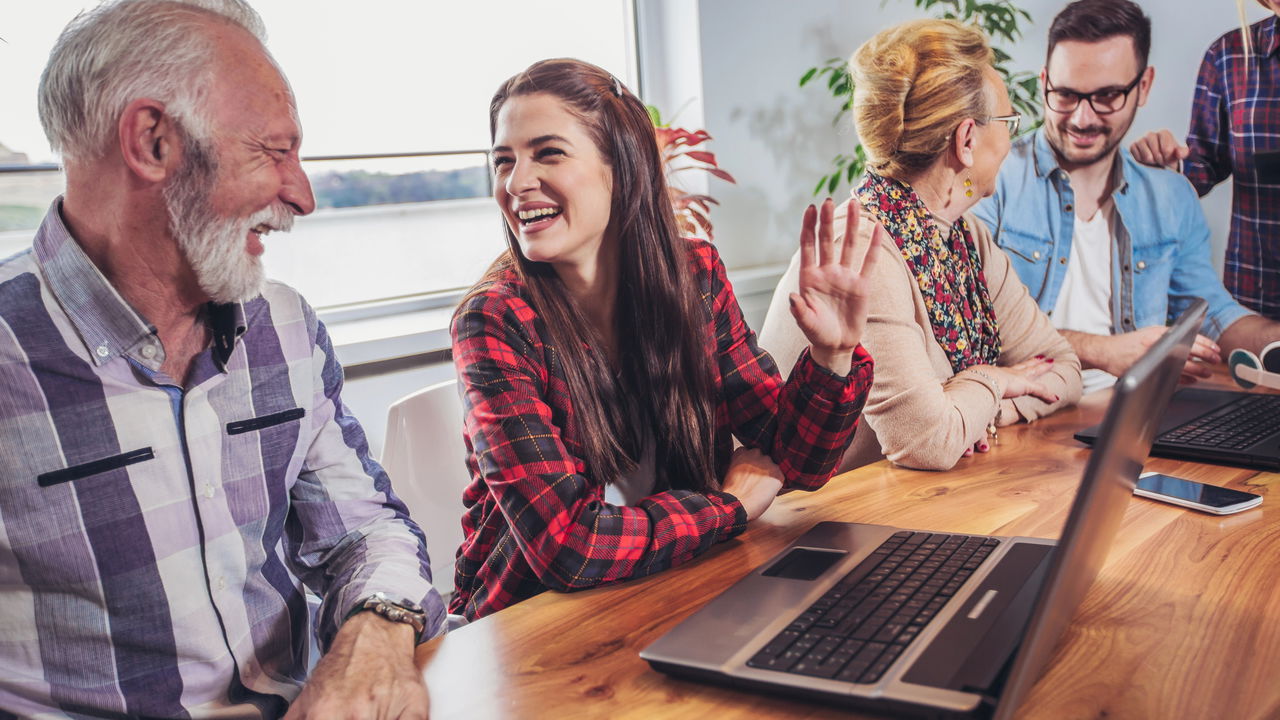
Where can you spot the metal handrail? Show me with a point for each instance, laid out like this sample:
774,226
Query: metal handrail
55,167
42,167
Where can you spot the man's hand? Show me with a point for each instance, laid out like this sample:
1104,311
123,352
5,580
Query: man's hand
1158,148
368,674
754,478
1117,353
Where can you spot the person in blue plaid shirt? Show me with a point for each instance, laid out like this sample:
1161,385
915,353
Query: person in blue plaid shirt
176,462
1235,133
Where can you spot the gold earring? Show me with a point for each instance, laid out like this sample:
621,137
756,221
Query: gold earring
968,187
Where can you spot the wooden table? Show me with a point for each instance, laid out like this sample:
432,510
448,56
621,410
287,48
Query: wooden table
1183,622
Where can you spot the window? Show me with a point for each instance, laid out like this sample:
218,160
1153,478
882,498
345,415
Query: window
394,98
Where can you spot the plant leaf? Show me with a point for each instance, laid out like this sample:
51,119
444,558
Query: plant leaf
703,156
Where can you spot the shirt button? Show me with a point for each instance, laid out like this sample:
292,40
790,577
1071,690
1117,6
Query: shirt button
222,583
148,351
103,351
1062,260
1142,265
208,490
1036,255
1068,207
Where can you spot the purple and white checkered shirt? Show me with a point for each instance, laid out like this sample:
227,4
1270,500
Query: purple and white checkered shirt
155,539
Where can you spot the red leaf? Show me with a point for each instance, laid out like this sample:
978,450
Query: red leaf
685,227
722,175
703,156
688,138
703,221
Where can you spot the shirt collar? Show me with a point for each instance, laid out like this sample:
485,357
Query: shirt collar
1046,162
1269,42
107,324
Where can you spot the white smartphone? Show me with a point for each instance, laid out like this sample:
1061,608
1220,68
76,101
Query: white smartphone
1197,496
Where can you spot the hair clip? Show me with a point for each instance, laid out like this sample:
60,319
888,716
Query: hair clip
617,86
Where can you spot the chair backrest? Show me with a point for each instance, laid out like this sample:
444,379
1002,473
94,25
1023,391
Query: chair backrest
426,459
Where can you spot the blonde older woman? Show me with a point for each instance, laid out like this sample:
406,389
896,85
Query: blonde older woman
960,346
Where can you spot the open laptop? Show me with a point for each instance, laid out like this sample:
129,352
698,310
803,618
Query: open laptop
894,620
1216,426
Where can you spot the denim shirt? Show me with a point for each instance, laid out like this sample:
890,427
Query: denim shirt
1160,257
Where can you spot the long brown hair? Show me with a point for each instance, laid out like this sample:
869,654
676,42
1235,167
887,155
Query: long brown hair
665,381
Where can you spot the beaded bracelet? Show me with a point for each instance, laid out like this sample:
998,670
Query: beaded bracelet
995,421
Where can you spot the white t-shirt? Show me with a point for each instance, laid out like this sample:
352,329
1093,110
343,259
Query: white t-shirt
1084,303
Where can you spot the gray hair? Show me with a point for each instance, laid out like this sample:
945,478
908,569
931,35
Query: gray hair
123,50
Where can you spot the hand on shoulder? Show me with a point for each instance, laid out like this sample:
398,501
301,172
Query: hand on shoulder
1158,148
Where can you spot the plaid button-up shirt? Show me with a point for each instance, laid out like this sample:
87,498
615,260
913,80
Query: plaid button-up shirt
155,538
536,517
1235,132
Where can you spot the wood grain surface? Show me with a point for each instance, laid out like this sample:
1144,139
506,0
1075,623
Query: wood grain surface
1183,622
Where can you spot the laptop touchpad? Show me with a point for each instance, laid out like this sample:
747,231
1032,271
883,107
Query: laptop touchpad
804,564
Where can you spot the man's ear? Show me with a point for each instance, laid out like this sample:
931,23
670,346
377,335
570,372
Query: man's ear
1144,85
963,140
149,140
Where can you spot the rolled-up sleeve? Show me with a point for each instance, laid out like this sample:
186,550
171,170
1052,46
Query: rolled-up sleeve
348,534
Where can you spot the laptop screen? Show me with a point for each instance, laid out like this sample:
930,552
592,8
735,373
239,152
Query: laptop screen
1124,441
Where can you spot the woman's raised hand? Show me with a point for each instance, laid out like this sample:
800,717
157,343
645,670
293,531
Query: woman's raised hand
831,306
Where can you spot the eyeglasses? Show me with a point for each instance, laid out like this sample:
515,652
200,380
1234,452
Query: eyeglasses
1103,102
1013,120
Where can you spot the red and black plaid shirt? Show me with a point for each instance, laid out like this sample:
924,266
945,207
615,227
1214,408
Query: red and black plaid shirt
536,518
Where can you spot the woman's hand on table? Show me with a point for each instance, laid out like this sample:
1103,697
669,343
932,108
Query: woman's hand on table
754,479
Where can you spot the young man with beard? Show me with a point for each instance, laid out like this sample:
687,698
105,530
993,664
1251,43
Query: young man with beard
176,462
1111,249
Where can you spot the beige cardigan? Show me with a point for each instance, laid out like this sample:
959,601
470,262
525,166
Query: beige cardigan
919,413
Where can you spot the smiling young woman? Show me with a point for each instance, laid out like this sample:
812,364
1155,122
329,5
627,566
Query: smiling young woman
606,367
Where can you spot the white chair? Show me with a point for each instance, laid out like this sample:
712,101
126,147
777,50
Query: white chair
425,458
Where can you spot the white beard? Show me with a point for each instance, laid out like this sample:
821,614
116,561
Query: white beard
227,273
216,247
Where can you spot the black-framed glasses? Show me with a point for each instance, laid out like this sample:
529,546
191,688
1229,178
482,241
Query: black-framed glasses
1103,102
1013,120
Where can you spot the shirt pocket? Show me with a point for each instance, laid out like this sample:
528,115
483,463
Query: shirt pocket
262,422
95,467
1153,266
1029,254
270,446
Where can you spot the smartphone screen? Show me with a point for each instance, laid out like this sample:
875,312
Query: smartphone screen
1210,495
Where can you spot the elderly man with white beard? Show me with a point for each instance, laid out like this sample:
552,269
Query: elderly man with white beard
176,462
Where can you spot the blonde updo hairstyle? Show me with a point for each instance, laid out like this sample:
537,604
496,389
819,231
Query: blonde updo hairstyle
913,84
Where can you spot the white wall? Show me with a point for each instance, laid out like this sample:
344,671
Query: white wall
777,138
734,66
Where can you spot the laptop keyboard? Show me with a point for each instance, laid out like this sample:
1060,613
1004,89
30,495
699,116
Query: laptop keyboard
862,624
1234,426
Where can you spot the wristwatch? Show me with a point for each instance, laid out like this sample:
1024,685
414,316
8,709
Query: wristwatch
402,611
